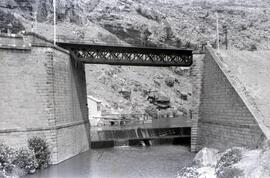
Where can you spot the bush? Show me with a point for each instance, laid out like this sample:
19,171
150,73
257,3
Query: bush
230,157
231,173
7,155
188,172
252,47
41,151
151,111
16,162
25,160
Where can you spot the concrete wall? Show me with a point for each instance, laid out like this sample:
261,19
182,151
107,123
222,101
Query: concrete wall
43,93
224,119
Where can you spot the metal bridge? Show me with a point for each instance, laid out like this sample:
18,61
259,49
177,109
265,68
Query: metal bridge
93,52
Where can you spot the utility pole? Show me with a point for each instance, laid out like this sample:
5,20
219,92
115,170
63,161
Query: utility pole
226,36
32,27
9,28
34,24
217,31
268,43
54,22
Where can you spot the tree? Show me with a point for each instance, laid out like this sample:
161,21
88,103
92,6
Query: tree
178,43
145,37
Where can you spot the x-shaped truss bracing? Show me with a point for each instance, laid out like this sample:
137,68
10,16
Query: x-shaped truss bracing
116,55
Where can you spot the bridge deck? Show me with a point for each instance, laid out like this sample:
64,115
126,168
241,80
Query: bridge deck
127,55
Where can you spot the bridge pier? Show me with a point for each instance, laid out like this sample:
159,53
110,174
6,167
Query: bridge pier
43,93
224,119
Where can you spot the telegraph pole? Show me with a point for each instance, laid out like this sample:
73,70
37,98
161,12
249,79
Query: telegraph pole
217,31
268,43
226,36
34,24
54,22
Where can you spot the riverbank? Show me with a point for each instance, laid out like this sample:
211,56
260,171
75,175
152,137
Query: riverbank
121,162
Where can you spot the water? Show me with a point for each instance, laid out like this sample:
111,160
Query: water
122,162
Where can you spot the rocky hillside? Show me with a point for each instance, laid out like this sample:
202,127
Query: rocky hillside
129,89
178,23
154,22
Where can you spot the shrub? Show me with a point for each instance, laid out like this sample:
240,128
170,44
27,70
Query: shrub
183,110
25,160
16,162
151,111
188,172
231,173
230,157
252,47
41,151
6,159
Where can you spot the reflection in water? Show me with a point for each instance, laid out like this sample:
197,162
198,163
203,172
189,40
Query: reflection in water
122,162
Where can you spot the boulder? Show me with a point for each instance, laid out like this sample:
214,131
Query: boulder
157,83
206,157
162,102
162,99
158,99
184,96
169,81
182,71
262,169
115,87
126,93
149,13
136,86
255,163
103,79
182,110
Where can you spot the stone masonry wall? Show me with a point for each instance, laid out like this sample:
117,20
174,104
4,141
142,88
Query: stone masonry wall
224,121
70,98
196,79
43,93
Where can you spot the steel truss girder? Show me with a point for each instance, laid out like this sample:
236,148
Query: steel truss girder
118,55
